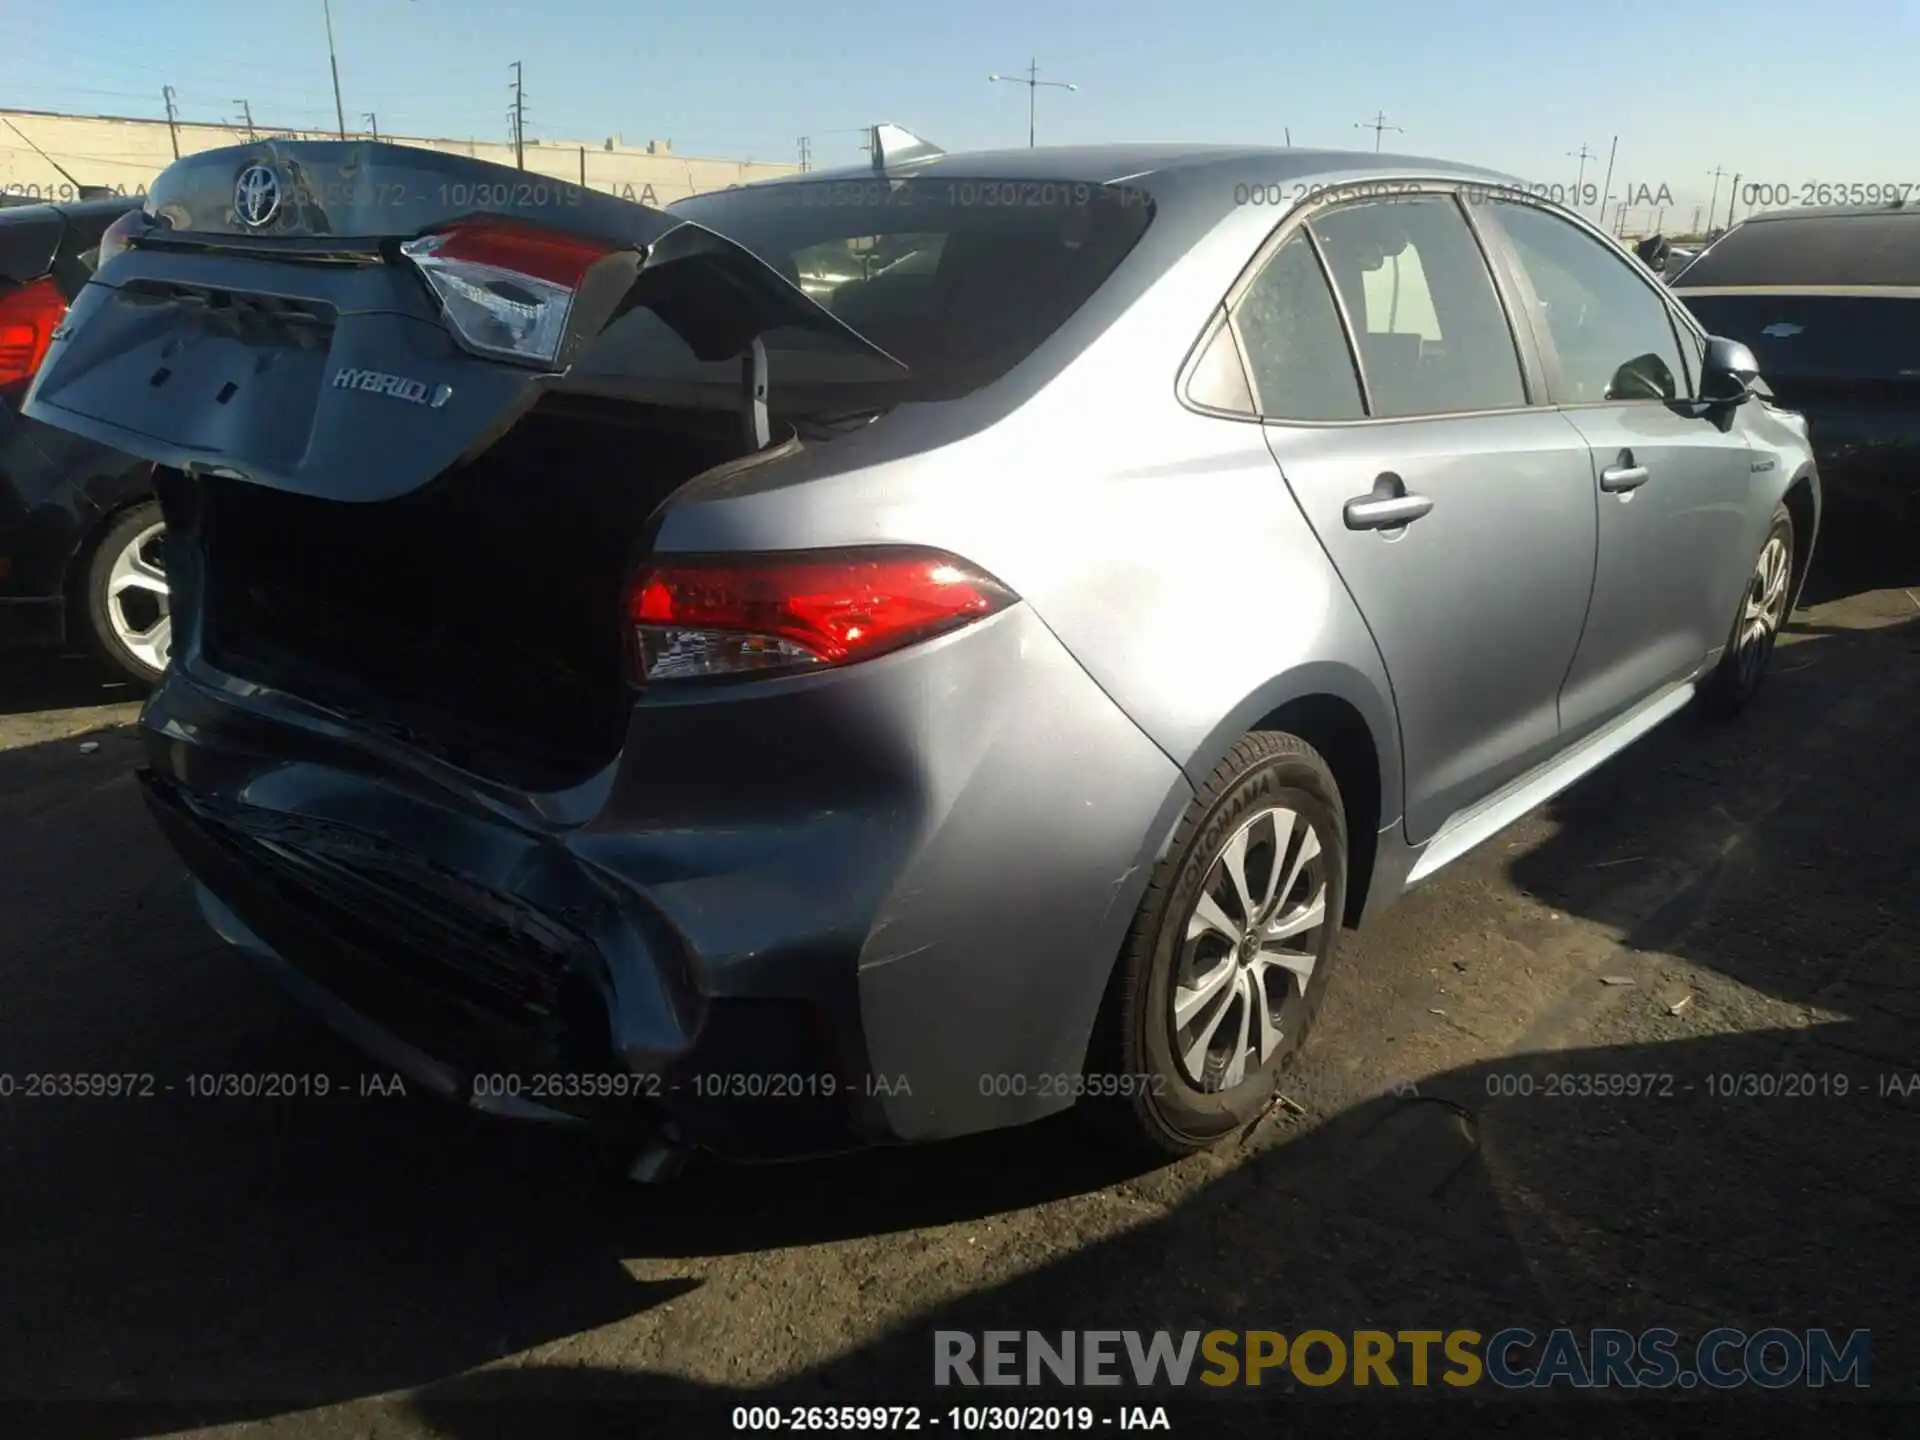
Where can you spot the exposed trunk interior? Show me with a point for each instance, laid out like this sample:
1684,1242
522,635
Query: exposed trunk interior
479,617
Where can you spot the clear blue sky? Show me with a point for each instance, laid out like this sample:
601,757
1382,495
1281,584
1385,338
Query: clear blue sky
1780,90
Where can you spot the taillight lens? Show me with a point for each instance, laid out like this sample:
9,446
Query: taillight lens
28,318
506,287
745,614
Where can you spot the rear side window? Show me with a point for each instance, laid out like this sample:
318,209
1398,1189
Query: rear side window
1297,356
1433,337
1802,250
1610,328
959,279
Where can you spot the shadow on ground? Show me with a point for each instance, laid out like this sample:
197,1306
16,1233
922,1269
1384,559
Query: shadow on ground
33,681
246,1259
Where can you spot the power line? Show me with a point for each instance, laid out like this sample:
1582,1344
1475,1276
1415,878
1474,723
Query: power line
42,154
130,80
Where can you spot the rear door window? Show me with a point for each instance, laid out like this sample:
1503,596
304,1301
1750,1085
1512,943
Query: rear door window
1298,361
1433,336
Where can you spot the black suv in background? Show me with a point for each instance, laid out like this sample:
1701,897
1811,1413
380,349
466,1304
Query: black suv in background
1829,300
80,534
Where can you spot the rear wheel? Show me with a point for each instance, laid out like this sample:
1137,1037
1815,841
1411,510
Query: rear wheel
125,595
1227,961
1757,626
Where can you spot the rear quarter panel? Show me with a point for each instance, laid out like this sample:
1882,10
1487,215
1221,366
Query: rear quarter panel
1160,545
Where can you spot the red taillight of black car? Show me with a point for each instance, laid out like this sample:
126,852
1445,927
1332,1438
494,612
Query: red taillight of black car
737,615
28,318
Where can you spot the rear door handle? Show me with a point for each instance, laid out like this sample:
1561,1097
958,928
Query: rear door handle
1387,508
1623,477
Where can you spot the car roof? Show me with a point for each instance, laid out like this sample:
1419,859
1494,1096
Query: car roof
1150,166
1863,247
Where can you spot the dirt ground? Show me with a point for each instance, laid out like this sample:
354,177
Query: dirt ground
1723,902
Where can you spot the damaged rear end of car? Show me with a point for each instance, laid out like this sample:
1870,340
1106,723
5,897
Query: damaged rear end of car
558,824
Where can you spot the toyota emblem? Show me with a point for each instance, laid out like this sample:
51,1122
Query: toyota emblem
256,195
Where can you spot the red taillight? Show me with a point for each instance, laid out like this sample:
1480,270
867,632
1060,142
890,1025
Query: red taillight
28,318
741,614
506,287
550,255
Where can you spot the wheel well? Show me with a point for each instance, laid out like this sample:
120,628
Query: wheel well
1799,503
1337,731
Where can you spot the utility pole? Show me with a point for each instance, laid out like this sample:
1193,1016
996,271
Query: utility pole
1289,134
1580,176
583,167
1696,222
246,114
173,120
1379,126
1606,189
339,115
519,120
1731,199
1713,205
806,154
373,123
1033,82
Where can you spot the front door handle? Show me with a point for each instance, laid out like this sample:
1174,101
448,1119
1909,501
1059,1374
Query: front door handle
1623,475
1387,508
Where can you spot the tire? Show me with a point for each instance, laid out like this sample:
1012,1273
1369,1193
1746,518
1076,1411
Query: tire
1757,623
123,595
1139,1077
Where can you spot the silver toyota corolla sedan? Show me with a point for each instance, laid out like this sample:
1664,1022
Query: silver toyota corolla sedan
884,655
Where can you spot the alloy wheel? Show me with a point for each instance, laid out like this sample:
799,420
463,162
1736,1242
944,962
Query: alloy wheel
1765,609
1248,949
137,598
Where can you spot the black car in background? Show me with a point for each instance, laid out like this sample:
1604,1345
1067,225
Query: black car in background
1829,300
80,534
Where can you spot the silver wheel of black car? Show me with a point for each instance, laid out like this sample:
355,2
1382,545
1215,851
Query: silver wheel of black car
1229,953
127,598
1250,949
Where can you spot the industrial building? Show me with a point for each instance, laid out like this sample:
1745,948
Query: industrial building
51,156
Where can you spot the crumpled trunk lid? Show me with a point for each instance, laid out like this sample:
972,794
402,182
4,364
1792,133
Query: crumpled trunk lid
267,327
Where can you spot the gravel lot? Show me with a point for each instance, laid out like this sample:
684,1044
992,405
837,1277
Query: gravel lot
376,1264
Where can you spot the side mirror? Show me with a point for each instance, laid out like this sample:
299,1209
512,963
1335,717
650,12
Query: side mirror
1730,374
